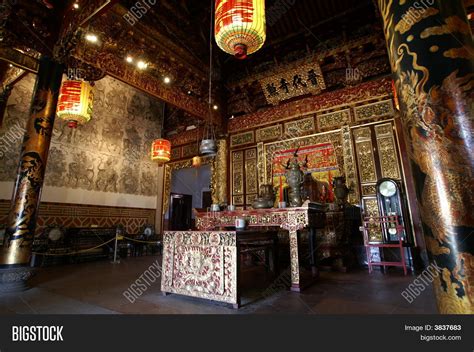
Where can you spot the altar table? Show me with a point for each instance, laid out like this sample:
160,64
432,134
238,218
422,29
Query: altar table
311,216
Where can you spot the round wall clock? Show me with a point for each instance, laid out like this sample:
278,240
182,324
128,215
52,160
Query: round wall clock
388,188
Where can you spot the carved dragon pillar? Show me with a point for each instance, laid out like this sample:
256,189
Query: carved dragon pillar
431,53
16,251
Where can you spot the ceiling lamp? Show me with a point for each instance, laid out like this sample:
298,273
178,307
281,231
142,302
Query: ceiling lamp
161,150
75,102
240,26
208,144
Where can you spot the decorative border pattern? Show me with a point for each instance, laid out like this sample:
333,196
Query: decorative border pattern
79,215
300,127
374,110
268,133
311,105
334,119
242,139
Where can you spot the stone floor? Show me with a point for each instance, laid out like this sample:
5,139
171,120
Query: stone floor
96,288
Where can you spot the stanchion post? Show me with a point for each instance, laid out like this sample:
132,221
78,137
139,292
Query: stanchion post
116,245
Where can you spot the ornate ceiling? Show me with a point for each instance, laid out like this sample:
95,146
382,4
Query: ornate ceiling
172,38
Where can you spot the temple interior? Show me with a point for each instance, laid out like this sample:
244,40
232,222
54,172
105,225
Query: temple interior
236,157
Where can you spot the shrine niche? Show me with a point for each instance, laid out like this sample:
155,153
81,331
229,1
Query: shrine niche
97,156
320,162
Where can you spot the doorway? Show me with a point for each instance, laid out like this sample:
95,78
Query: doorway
190,188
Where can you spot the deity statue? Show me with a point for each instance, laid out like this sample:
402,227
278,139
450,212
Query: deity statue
295,179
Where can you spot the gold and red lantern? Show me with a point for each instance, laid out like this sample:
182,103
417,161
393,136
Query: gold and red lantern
197,161
75,102
240,26
161,150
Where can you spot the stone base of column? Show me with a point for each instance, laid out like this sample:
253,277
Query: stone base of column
15,279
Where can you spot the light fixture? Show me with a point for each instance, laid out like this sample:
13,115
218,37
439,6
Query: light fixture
215,107
90,37
161,150
142,65
197,161
129,59
240,26
167,80
76,5
75,102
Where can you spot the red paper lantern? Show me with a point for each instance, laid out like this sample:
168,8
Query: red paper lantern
75,102
161,150
240,26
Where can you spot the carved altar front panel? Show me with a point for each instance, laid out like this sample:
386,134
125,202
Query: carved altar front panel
201,264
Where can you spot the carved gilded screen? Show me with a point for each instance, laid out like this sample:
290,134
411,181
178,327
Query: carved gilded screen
377,157
244,176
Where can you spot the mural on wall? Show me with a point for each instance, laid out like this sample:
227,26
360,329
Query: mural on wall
109,154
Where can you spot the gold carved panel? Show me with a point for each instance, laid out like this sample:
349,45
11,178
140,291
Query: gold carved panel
387,151
365,155
269,133
249,199
371,209
238,200
350,168
299,127
242,139
369,190
261,163
219,174
374,110
334,119
251,153
251,177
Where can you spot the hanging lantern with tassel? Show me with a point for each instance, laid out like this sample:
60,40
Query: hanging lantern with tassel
75,102
161,150
240,26
197,162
